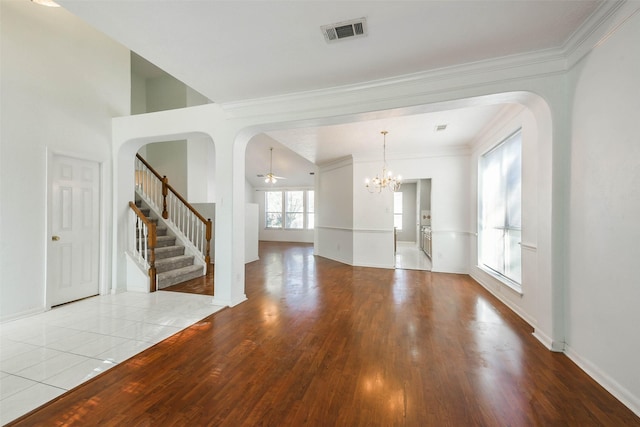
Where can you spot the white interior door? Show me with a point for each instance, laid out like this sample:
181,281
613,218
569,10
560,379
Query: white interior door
74,244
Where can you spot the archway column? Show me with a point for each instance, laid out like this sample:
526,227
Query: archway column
230,218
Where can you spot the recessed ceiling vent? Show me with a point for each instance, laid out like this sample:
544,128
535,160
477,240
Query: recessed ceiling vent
344,30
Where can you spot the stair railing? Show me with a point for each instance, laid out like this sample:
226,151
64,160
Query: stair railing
142,245
151,185
175,209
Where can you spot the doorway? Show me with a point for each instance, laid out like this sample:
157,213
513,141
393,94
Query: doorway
73,248
413,198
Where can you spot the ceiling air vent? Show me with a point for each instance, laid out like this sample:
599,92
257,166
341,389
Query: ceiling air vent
343,30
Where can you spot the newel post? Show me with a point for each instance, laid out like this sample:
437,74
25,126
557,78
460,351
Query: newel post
165,191
151,243
207,257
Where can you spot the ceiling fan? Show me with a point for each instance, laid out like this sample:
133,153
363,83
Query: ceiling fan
270,178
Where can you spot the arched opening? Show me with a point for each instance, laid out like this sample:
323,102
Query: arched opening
174,218
356,228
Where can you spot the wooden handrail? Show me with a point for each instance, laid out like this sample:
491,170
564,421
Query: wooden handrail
151,244
139,157
167,186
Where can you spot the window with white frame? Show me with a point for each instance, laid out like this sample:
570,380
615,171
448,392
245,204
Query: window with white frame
273,209
294,209
289,210
397,210
310,210
499,210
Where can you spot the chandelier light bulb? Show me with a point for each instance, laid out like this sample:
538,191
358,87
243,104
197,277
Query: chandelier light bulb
48,3
387,179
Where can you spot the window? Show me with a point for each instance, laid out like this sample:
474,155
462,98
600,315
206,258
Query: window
310,210
500,201
289,210
397,210
273,209
294,212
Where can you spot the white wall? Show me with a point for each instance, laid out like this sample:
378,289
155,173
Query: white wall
170,159
165,93
201,170
201,159
603,281
249,192
138,94
62,82
335,211
409,213
251,233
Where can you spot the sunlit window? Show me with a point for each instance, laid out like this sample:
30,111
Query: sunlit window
397,210
273,209
500,201
294,212
310,210
289,210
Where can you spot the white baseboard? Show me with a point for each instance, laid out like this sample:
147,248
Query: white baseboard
548,342
227,302
612,386
22,314
524,316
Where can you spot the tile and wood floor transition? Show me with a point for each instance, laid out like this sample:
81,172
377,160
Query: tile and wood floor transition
43,356
409,256
320,343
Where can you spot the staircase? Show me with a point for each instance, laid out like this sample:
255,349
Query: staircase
172,265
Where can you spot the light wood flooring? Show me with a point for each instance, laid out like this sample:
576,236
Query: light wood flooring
319,343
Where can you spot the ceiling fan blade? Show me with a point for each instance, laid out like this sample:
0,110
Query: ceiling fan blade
265,175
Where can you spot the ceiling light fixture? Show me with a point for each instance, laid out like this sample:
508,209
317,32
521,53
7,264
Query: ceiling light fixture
386,179
270,177
48,3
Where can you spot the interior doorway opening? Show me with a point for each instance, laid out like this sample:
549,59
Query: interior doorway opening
412,223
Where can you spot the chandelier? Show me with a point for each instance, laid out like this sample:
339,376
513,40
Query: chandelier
386,178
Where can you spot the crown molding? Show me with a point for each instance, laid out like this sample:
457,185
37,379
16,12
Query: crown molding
438,151
598,26
505,115
336,163
336,100
547,62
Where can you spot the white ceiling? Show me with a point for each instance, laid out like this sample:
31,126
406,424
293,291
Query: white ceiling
239,50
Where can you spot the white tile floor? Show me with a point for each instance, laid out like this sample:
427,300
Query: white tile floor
409,256
45,355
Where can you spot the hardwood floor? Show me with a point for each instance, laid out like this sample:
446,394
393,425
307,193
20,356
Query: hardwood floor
320,343
200,285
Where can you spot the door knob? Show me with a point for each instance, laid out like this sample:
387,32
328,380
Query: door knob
55,238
